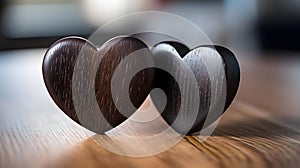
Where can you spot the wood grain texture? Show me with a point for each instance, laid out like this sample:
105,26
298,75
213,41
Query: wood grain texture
215,68
58,67
258,142
73,65
76,73
259,129
172,86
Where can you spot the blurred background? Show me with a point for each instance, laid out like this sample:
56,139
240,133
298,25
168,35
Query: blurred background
245,25
264,34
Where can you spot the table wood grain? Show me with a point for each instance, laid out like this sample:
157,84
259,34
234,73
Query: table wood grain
260,129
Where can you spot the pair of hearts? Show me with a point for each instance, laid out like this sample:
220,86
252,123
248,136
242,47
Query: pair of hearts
60,63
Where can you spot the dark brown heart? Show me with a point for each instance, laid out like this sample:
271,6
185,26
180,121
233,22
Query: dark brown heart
58,70
169,85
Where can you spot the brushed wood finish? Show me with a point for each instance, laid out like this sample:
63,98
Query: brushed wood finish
58,70
214,68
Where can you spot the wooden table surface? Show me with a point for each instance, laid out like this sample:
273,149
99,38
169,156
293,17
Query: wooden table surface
260,129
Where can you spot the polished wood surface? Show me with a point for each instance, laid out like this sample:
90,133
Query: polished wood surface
260,129
75,68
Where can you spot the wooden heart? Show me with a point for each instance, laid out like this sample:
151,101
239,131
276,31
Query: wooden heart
221,64
97,66
58,70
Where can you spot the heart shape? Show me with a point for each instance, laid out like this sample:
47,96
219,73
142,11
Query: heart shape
61,58
58,70
207,63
